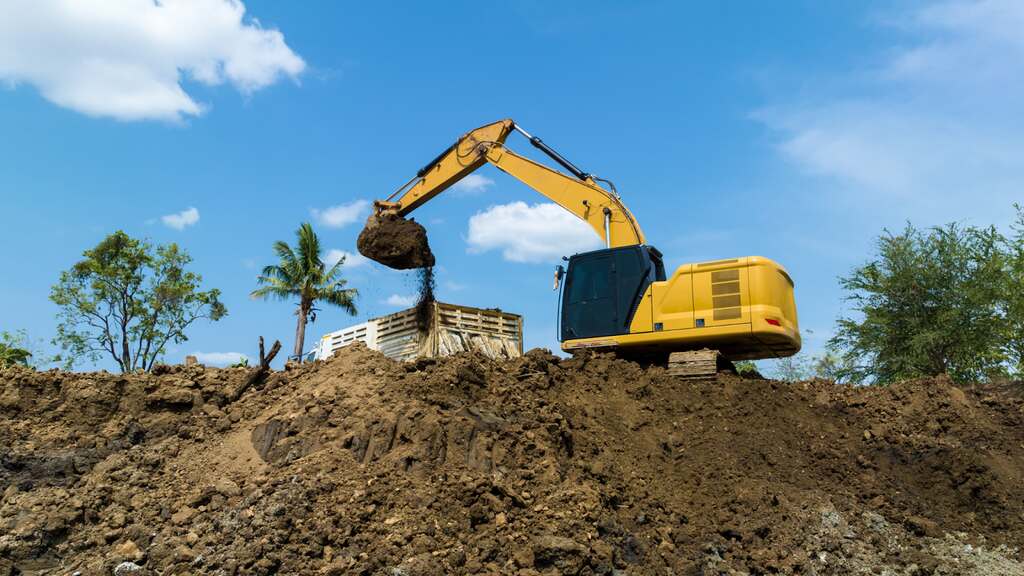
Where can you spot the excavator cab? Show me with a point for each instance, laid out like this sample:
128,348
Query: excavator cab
603,289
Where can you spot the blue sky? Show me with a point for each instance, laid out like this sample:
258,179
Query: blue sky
796,131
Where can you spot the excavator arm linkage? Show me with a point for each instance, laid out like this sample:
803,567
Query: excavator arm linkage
579,193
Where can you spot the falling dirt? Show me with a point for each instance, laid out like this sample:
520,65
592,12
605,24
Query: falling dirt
425,301
395,242
536,465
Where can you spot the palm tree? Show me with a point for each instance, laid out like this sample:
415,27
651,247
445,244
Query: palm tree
302,274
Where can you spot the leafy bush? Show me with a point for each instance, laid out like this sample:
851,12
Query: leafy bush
942,300
12,350
1014,296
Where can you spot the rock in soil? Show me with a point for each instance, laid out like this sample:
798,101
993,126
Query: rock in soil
536,465
395,242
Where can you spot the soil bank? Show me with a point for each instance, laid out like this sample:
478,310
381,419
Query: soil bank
537,465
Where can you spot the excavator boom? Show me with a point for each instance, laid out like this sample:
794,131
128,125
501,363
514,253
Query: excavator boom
579,193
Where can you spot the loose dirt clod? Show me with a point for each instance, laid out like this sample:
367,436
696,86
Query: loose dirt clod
536,465
395,242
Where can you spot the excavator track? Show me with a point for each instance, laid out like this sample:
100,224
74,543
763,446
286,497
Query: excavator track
698,364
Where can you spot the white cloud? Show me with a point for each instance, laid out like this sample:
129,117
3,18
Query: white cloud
472,185
934,123
219,358
454,286
538,233
352,259
126,59
181,220
340,215
400,301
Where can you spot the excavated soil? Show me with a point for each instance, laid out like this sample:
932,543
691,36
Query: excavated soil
591,465
395,242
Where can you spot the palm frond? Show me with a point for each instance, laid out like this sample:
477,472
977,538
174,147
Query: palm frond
309,248
274,287
331,273
284,253
273,271
334,285
344,299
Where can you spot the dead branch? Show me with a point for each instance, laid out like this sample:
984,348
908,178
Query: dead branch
266,360
258,373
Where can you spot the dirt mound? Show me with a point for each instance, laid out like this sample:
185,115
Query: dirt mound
536,465
395,242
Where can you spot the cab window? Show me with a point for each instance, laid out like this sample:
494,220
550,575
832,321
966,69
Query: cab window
590,280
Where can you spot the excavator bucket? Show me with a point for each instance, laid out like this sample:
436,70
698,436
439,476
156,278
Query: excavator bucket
395,242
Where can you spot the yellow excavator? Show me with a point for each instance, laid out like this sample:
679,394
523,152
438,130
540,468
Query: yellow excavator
619,298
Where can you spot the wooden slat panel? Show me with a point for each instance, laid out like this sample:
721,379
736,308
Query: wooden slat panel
694,364
453,329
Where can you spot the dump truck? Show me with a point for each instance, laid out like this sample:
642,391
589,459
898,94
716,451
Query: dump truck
441,329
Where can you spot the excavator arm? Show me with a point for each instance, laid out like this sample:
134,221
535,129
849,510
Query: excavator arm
580,194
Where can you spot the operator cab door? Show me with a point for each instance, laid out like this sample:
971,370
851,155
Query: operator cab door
603,289
590,295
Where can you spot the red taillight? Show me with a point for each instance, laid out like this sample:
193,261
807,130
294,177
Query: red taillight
773,322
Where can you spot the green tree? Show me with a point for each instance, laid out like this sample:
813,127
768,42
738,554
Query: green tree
129,301
1015,295
930,302
301,274
12,349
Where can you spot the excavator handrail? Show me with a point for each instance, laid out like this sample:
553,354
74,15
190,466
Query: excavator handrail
603,210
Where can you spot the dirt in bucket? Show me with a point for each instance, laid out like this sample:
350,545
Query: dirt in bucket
395,242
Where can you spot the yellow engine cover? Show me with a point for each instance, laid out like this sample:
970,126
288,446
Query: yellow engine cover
743,307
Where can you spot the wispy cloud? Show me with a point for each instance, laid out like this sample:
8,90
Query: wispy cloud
937,120
454,286
537,233
219,358
400,301
472,185
341,215
181,220
352,259
120,59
